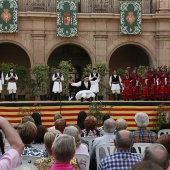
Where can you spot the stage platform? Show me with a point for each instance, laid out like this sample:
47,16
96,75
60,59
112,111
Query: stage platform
70,110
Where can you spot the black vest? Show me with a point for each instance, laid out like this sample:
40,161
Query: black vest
59,75
94,78
0,74
11,79
83,87
115,79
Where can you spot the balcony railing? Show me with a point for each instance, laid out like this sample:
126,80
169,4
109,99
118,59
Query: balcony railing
84,6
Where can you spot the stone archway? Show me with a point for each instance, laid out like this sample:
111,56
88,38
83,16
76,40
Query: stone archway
10,52
129,55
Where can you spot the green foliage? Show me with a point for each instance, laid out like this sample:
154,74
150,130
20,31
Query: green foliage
161,112
87,70
28,111
65,68
120,72
21,72
40,73
141,70
32,89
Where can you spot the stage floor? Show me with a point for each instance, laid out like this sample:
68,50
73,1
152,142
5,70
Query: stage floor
70,109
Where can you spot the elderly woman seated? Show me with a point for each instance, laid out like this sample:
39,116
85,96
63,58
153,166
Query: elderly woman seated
46,163
90,127
80,148
121,124
63,148
60,124
28,133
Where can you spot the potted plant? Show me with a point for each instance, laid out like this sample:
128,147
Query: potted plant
40,75
87,70
21,72
65,68
102,70
32,89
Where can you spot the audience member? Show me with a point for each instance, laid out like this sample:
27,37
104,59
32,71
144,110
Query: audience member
142,135
2,143
56,116
60,125
80,120
37,118
80,148
105,117
165,141
108,137
10,159
26,167
158,154
64,149
28,133
167,125
146,165
121,124
41,130
26,119
123,159
90,127
46,163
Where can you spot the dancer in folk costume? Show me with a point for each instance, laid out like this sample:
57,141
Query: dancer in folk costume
85,92
127,85
145,81
115,84
1,82
93,77
168,85
152,84
157,88
11,77
135,84
163,83
57,86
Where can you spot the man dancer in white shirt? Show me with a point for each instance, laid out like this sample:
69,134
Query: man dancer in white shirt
1,82
57,86
85,92
93,77
11,77
115,84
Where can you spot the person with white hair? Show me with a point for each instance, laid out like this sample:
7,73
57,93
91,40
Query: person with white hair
158,154
108,137
26,167
142,135
121,124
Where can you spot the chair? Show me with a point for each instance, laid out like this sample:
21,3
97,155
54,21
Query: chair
79,157
140,147
28,159
164,131
104,150
90,141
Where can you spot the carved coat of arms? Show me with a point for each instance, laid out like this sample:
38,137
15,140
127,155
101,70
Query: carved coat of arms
67,19
130,18
6,16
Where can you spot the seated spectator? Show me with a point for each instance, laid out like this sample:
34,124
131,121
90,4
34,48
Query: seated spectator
56,116
80,120
64,149
142,135
108,137
26,167
37,118
28,133
80,148
158,154
121,124
2,143
167,125
11,158
165,141
60,125
26,119
146,165
90,127
105,117
41,130
122,159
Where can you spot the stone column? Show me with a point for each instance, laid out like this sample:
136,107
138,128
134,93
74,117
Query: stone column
163,6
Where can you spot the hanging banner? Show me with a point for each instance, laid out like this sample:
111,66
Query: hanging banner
66,18
130,17
8,16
